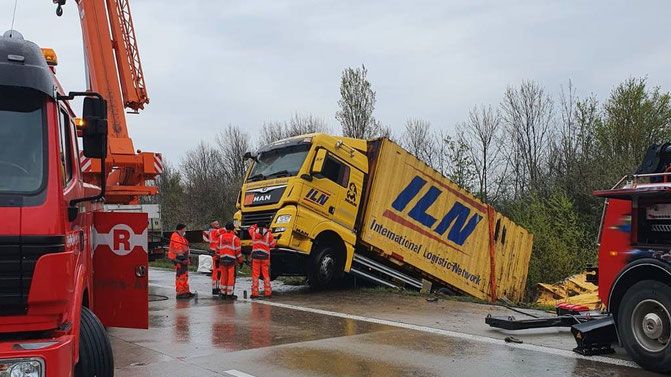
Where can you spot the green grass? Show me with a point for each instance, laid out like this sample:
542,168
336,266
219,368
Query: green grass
292,280
168,265
401,292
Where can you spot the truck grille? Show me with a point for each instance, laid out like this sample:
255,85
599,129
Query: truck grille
18,257
251,218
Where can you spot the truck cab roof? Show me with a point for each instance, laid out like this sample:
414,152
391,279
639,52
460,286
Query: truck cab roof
22,64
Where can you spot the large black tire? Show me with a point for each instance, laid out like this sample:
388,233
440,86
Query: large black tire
95,352
644,324
323,267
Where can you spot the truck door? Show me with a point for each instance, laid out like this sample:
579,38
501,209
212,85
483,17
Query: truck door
328,190
120,281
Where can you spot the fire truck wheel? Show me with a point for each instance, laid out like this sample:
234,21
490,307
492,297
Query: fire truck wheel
644,324
323,267
95,351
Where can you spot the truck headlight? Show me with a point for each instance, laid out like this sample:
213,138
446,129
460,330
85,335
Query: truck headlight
283,219
236,223
33,367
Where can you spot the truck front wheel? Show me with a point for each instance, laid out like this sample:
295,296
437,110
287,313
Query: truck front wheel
95,351
644,324
323,267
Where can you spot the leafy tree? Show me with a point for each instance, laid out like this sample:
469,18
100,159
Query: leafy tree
562,246
634,118
357,102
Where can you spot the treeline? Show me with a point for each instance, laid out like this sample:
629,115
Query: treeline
536,156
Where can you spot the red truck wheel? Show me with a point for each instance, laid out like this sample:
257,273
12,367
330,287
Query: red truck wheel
95,351
644,324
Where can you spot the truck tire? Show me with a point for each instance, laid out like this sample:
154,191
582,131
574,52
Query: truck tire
95,352
323,268
644,324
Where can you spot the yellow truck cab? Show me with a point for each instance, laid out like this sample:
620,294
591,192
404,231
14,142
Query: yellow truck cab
370,208
308,188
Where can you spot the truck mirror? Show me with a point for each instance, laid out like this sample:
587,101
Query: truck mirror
318,164
248,155
94,132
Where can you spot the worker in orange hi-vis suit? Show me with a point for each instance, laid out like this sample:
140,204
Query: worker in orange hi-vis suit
178,253
229,256
213,239
262,241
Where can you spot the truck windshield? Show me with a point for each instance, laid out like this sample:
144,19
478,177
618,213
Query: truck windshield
280,162
22,144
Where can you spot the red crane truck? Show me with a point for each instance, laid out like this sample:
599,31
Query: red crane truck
68,268
633,274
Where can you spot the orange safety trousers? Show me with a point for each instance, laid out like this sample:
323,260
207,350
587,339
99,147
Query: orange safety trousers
215,271
181,278
227,282
260,266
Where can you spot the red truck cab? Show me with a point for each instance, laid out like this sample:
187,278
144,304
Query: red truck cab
50,227
634,274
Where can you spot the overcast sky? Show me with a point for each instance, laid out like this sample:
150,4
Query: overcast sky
212,63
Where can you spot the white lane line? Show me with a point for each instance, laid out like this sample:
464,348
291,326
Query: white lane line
237,373
454,334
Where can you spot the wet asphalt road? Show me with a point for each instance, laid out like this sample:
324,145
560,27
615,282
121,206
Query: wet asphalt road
338,333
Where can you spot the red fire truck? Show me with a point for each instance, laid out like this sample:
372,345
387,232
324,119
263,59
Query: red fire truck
68,269
634,271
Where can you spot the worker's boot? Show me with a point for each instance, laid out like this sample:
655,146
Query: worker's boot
185,295
223,296
216,291
254,296
232,297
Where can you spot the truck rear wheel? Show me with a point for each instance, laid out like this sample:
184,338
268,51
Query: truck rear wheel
644,324
323,267
95,351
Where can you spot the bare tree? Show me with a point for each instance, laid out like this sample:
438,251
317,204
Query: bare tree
272,131
298,124
481,132
357,102
528,117
419,140
233,143
170,196
301,124
203,174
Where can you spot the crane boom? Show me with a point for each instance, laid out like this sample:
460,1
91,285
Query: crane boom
114,70
131,75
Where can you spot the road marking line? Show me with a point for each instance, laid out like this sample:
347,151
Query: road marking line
237,373
454,334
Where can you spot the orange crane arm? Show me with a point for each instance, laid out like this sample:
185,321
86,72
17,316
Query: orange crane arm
130,71
115,71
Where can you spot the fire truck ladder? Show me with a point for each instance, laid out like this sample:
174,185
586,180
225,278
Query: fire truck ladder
378,273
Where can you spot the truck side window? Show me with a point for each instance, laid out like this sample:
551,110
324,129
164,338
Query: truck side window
336,171
65,146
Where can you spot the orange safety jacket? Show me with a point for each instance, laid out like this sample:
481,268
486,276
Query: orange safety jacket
214,238
262,241
179,246
229,248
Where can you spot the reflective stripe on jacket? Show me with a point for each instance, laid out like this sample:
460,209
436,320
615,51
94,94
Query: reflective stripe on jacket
262,241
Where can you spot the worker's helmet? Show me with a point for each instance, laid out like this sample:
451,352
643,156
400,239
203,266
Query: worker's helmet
230,226
180,226
262,224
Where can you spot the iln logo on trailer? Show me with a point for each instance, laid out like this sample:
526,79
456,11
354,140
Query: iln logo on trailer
456,219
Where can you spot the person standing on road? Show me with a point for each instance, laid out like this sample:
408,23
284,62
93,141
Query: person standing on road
229,255
213,238
262,241
178,252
